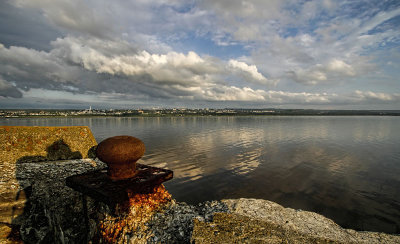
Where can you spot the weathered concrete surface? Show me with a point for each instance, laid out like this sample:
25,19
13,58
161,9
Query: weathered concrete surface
18,142
53,212
262,221
235,228
23,144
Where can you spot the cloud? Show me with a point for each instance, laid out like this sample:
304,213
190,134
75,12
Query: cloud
170,68
217,96
117,58
333,70
315,41
29,68
233,93
245,20
19,27
250,71
81,65
139,74
369,96
142,22
8,90
71,15
167,50
340,67
356,97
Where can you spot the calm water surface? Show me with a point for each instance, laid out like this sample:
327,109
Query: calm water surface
346,168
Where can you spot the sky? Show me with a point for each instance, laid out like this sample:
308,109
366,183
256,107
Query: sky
325,54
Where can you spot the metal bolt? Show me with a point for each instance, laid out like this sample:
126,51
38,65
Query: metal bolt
120,153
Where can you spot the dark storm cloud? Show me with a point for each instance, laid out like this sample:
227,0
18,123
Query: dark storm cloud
26,28
8,90
76,17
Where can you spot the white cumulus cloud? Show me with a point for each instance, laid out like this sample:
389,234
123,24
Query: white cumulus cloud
250,72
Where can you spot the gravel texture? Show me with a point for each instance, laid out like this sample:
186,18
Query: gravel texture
175,223
53,212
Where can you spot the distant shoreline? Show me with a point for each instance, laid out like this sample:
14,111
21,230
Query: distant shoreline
191,116
43,113
173,116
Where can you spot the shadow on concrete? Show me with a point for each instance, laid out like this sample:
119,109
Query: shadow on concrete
25,226
59,150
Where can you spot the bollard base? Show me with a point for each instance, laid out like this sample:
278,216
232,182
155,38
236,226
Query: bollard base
99,186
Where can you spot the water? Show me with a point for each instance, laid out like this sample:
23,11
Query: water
346,168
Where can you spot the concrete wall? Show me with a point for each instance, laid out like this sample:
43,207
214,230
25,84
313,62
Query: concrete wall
21,146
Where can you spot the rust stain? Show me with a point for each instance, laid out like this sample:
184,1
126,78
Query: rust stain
133,214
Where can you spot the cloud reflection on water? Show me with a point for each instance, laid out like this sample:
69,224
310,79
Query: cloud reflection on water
326,165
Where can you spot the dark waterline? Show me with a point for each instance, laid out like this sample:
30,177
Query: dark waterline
346,168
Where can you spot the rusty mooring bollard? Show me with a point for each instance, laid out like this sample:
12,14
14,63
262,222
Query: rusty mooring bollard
120,153
132,191
124,177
